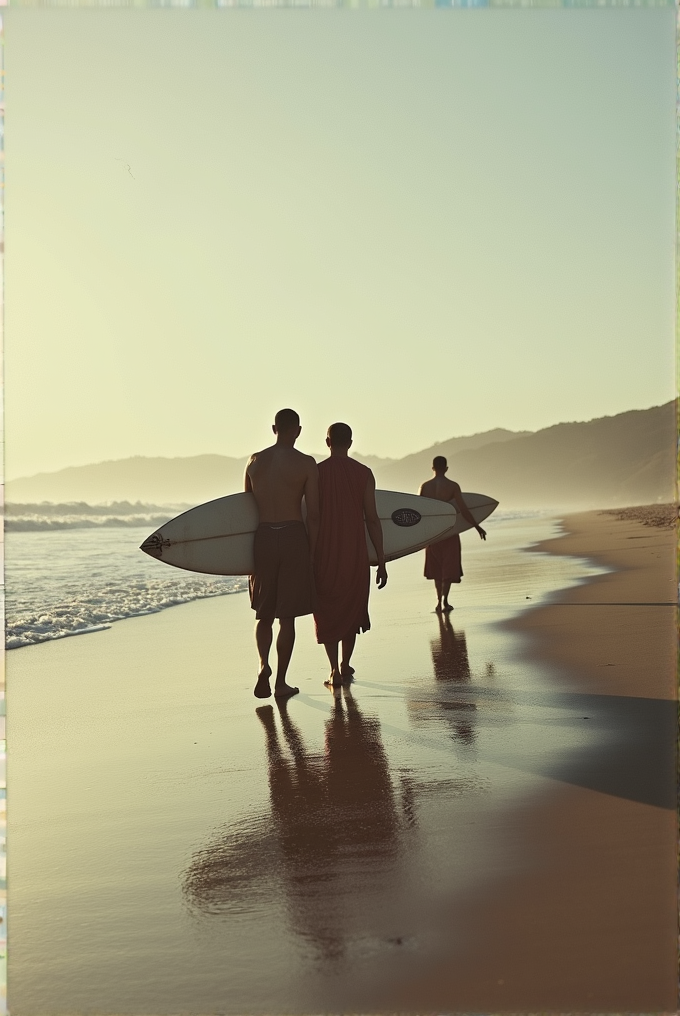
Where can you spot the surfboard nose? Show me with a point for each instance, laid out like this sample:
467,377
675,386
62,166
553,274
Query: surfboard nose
153,545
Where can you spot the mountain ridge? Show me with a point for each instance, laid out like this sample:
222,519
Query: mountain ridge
208,476
608,461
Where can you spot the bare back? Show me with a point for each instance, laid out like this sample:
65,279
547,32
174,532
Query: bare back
440,488
443,489
279,477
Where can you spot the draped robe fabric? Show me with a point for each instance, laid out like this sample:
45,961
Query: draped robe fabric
341,570
443,560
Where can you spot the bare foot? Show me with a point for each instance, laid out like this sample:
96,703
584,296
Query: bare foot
438,609
346,670
283,690
447,608
262,688
335,679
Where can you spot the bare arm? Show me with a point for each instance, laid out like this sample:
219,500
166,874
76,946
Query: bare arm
312,503
375,530
465,512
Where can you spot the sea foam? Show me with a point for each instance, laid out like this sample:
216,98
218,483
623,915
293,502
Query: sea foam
76,581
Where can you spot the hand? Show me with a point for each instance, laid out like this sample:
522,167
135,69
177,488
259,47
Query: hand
482,532
381,576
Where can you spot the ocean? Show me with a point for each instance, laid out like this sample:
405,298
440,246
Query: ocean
74,569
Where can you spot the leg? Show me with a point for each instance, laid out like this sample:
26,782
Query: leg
263,641
284,651
446,585
438,587
348,644
332,654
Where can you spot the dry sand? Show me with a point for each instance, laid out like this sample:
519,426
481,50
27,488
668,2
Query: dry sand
593,927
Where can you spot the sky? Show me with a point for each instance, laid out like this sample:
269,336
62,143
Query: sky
424,223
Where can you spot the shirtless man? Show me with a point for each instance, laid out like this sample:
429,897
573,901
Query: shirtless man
443,559
281,586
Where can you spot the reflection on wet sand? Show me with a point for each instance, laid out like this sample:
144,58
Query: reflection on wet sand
451,667
451,663
330,846
450,653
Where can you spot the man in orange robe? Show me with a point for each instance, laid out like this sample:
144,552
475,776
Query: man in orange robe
443,559
341,569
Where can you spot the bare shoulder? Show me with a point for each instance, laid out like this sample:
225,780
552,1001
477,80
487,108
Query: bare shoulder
307,461
426,488
454,487
258,456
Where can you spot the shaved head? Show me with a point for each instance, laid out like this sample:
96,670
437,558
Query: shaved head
340,435
286,420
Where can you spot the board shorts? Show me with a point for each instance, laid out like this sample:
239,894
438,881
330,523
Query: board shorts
281,585
443,560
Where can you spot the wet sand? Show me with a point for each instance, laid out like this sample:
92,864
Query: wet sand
440,827
592,927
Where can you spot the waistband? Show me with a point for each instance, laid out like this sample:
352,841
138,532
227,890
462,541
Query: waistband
281,525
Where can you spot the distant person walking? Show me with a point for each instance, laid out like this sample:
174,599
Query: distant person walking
341,569
443,559
281,585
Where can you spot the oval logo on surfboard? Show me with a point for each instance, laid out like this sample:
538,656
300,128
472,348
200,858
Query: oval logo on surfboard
406,517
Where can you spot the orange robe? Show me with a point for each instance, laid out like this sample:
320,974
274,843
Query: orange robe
443,560
341,570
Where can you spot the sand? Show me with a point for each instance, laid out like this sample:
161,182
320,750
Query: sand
593,927
452,835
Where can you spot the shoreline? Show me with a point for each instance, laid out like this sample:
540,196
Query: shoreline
638,589
592,927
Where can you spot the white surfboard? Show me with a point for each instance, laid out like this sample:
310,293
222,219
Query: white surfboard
217,537
480,507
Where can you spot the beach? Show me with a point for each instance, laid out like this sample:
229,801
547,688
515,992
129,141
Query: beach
484,821
594,926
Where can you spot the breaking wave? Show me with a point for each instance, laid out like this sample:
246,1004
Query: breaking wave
76,581
23,518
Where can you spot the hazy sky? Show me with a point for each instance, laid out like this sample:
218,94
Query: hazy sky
425,223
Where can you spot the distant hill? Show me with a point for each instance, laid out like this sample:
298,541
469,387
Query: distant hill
158,480
414,469
188,480
167,481
611,461
614,460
